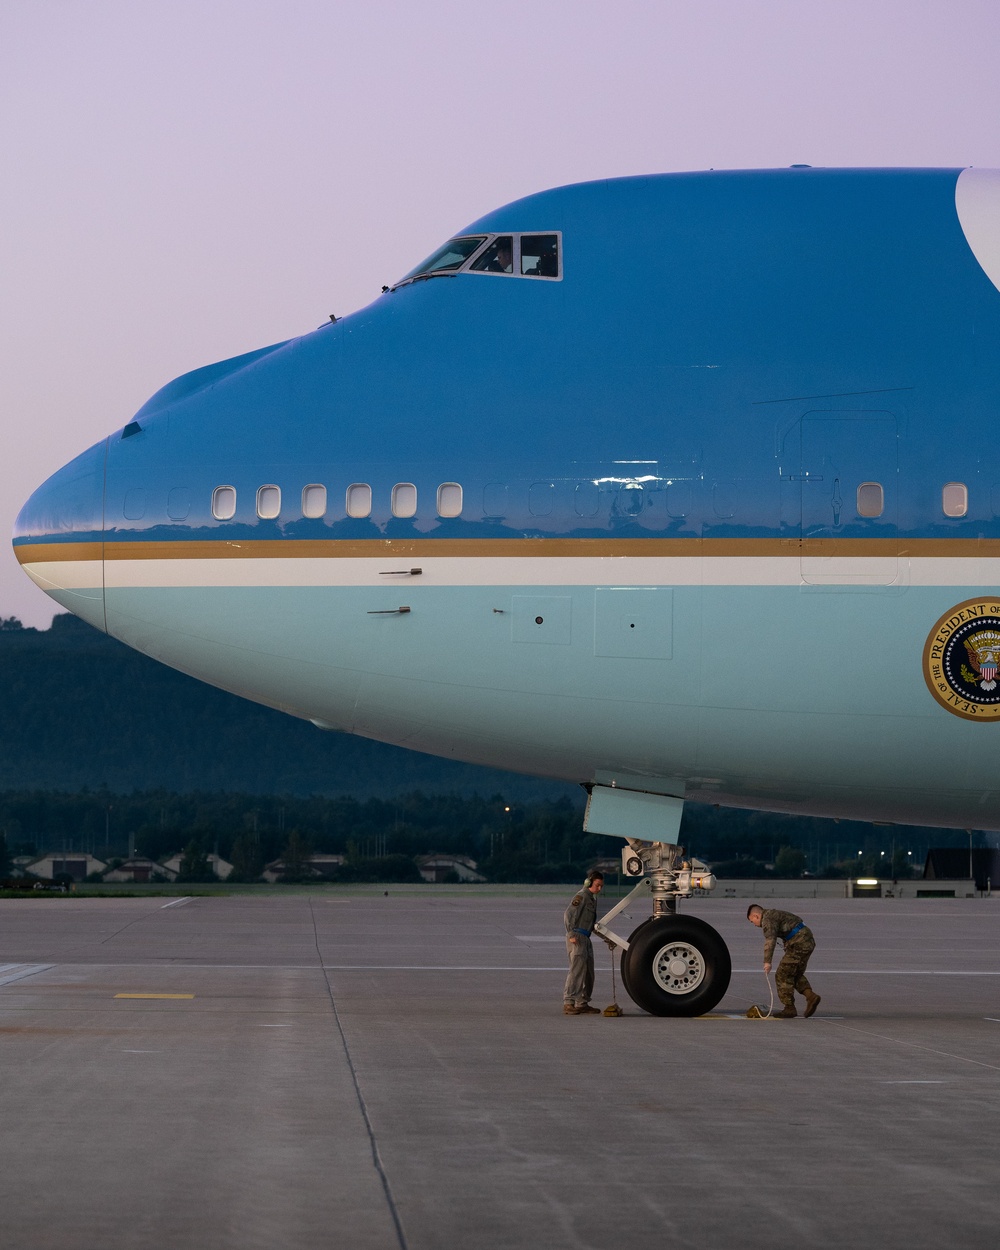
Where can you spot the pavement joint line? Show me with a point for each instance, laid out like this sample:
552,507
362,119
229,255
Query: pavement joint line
932,1050
178,902
377,1160
9,973
135,920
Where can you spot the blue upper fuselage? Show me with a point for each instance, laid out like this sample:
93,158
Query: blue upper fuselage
681,483
645,393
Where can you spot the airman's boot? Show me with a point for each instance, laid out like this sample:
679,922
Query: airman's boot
570,1009
812,1002
787,1012
587,1010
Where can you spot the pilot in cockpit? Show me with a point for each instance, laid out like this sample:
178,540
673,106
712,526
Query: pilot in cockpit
539,256
498,257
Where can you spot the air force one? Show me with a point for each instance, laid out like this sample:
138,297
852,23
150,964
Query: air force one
682,486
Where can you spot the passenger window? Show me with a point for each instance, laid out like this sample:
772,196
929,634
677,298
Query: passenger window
495,499
540,255
724,499
359,499
586,499
871,500
955,499
404,499
679,496
268,502
498,257
540,498
178,503
630,498
449,499
313,501
134,508
224,503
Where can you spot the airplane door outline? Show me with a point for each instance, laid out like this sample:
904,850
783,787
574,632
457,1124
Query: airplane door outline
827,456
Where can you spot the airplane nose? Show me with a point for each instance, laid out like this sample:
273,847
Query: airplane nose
59,536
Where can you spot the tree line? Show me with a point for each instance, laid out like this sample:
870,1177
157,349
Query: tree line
536,841
79,709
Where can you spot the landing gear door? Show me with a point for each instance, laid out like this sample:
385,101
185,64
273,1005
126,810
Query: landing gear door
847,478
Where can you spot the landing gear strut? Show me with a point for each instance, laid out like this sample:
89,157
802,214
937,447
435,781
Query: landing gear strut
671,965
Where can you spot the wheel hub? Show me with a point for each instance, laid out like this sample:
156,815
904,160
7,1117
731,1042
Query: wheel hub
679,968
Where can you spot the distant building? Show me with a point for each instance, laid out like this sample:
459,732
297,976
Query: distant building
76,864
316,867
955,863
140,870
221,867
438,867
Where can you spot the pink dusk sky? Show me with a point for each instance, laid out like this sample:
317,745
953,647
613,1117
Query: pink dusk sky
185,180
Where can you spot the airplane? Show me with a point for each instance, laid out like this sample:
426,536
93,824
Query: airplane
677,486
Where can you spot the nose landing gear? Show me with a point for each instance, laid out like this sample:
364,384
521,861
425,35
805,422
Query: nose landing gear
671,965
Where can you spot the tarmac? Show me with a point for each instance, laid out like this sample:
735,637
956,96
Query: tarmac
341,1068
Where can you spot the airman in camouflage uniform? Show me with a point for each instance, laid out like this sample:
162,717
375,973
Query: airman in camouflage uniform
799,944
579,919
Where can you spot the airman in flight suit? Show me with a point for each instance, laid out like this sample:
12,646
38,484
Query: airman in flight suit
579,919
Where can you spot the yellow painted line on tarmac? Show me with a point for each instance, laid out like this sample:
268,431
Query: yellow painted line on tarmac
154,996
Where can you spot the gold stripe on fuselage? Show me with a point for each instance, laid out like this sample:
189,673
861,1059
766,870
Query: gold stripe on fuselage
484,548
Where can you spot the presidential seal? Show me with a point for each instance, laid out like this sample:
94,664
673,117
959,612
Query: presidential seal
962,660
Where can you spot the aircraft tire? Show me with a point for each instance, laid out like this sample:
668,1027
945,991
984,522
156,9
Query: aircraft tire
623,962
676,966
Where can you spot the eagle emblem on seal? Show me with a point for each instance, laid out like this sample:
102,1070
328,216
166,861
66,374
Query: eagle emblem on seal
984,656
962,660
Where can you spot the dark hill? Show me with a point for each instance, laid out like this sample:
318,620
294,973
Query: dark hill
78,709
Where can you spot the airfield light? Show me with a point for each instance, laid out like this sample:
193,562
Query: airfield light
866,881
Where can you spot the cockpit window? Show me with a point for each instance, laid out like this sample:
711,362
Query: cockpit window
497,258
447,259
540,255
516,255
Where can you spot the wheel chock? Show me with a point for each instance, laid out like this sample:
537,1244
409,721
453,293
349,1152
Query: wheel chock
755,1013
613,1010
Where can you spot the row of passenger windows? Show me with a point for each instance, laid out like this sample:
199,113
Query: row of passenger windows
358,502
403,501
954,499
